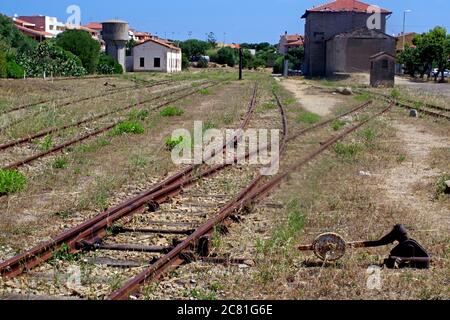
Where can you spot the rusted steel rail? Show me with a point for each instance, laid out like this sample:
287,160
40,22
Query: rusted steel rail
169,187
424,109
64,104
247,196
60,147
43,133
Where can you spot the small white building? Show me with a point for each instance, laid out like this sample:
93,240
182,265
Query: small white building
156,55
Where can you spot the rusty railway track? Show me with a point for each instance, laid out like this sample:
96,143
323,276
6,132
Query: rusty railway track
97,225
87,235
67,103
43,133
428,109
97,132
256,190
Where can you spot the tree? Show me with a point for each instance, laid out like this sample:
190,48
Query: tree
228,56
410,60
107,65
47,58
438,42
130,45
184,61
81,44
212,40
295,56
194,48
431,49
13,37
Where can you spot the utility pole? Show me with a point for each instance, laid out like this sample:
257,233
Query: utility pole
241,62
404,24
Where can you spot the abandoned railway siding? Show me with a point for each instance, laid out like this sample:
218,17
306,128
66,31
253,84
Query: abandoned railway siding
348,172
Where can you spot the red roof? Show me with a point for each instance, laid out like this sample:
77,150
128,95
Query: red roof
298,43
94,25
23,22
34,32
160,43
293,37
343,6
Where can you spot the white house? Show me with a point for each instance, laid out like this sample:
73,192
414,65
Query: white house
156,55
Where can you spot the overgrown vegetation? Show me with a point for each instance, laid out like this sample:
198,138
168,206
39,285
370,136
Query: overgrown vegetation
308,117
337,124
171,143
108,65
441,186
428,50
81,44
171,111
11,181
280,244
136,114
60,163
347,150
128,127
64,254
49,59
46,144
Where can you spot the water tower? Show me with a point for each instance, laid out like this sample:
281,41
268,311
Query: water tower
115,35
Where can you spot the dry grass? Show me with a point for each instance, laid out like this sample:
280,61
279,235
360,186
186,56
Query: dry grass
331,195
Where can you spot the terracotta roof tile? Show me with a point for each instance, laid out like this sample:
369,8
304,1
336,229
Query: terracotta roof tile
160,43
343,6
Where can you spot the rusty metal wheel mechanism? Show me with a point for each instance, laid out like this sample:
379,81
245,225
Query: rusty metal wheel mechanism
329,247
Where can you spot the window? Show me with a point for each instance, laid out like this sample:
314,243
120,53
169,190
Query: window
384,64
51,27
157,62
142,62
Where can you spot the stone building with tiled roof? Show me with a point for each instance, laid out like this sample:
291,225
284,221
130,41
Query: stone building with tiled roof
325,21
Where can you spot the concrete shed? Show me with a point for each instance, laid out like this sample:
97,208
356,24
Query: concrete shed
350,52
382,70
156,55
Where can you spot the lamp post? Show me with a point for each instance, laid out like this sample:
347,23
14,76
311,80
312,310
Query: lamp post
404,22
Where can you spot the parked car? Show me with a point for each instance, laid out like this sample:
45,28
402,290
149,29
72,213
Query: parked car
446,72
295,72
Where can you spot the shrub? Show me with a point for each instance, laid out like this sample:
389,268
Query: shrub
440,184
3,65
308,117
204,91
171,112
13,37
60,163
171,143
14,70
338,124
227,56
362,97
395,93
11,181
131,127
81,44
369,134
278,65
107,65
46,144
51,59
184,62
202,63
347,150
139,114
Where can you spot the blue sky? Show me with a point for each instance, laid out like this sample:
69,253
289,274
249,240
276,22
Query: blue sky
232,20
